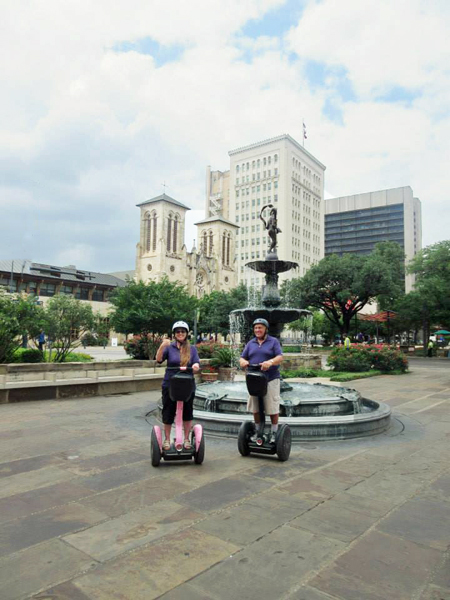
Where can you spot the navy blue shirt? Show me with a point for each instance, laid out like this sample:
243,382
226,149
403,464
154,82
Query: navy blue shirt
172,355
257,353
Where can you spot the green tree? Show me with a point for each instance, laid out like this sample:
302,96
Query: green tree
215,309
19,316
150,309
66,321
431,266
341,286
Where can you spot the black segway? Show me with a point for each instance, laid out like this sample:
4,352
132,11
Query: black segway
181,387
251,441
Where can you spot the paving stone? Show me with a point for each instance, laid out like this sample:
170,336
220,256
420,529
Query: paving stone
441,576
363,505
306,592
64,591
382,565
23,482
434,592
43,526
187,592
28,464
439,489
136,496
281,503
152,571
280,471
385,486
116,536
243,524
117,477
98,464
269,567
334,521
425,522
218,494
33,501
39,567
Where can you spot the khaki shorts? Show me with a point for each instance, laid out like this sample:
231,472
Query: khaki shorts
271,399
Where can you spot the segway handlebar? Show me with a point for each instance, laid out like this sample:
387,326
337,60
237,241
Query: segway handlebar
188,369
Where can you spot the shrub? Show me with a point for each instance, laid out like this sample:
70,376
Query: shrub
365,358
141,347
290,349
301,372
207,349
28,355
224,357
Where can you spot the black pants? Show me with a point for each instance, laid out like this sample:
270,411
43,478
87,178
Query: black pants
169,408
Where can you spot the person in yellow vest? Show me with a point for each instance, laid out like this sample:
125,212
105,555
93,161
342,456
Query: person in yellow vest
430,348
347,343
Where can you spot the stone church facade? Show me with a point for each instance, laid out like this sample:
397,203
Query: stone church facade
161,250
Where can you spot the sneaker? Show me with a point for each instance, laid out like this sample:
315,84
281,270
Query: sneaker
273,437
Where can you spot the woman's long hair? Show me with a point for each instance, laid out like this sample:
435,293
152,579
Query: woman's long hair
185,352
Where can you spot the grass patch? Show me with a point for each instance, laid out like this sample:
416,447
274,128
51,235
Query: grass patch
78,357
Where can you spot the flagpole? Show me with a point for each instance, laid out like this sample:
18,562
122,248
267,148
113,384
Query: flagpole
303,130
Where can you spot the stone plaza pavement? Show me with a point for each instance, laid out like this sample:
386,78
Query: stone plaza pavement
83,515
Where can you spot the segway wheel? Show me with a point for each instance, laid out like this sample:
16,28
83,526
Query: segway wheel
199,456
245,431
155,452
284,442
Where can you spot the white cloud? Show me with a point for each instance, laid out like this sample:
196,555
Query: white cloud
86,132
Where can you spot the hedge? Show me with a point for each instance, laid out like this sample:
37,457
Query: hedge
365,358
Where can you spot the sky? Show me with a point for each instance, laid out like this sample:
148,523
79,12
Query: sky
103,102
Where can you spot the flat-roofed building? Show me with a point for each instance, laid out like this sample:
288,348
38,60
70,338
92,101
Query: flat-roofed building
354,224
278,172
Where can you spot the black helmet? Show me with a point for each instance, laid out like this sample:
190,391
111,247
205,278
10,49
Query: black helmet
261,322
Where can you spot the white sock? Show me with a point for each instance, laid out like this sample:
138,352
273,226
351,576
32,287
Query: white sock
274,428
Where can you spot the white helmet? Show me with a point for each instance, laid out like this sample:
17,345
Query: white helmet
180,324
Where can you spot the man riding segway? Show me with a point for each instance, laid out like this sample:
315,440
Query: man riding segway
264,351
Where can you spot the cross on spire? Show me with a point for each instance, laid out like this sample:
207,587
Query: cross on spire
164,186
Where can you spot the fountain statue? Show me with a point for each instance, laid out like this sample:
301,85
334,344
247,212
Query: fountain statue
315,411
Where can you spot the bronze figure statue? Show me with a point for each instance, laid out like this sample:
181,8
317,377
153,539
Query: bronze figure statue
271,226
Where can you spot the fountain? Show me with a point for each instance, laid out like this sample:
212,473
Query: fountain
313,412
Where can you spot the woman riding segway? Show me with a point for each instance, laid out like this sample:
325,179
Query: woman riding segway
178,354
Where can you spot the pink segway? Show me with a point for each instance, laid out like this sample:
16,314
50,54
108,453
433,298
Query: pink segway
181,386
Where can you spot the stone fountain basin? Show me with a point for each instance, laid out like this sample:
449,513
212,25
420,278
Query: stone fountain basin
313,411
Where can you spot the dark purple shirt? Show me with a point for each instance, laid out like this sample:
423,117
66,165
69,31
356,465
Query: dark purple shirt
172,355
256,353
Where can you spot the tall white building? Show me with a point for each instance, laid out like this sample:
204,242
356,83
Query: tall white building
278,171
354,224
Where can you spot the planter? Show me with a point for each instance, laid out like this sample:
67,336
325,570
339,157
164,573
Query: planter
210,376
227,373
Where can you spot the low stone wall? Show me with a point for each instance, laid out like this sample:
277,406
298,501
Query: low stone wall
297,361
53,381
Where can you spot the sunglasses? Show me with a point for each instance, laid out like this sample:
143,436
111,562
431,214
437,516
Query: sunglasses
180,330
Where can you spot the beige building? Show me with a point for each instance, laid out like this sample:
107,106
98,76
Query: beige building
217,193
161,250
280,172
354,224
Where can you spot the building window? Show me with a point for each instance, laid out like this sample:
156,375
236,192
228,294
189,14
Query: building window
210,252
169,232
98,295
66,289
82,293
175,233
47,289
